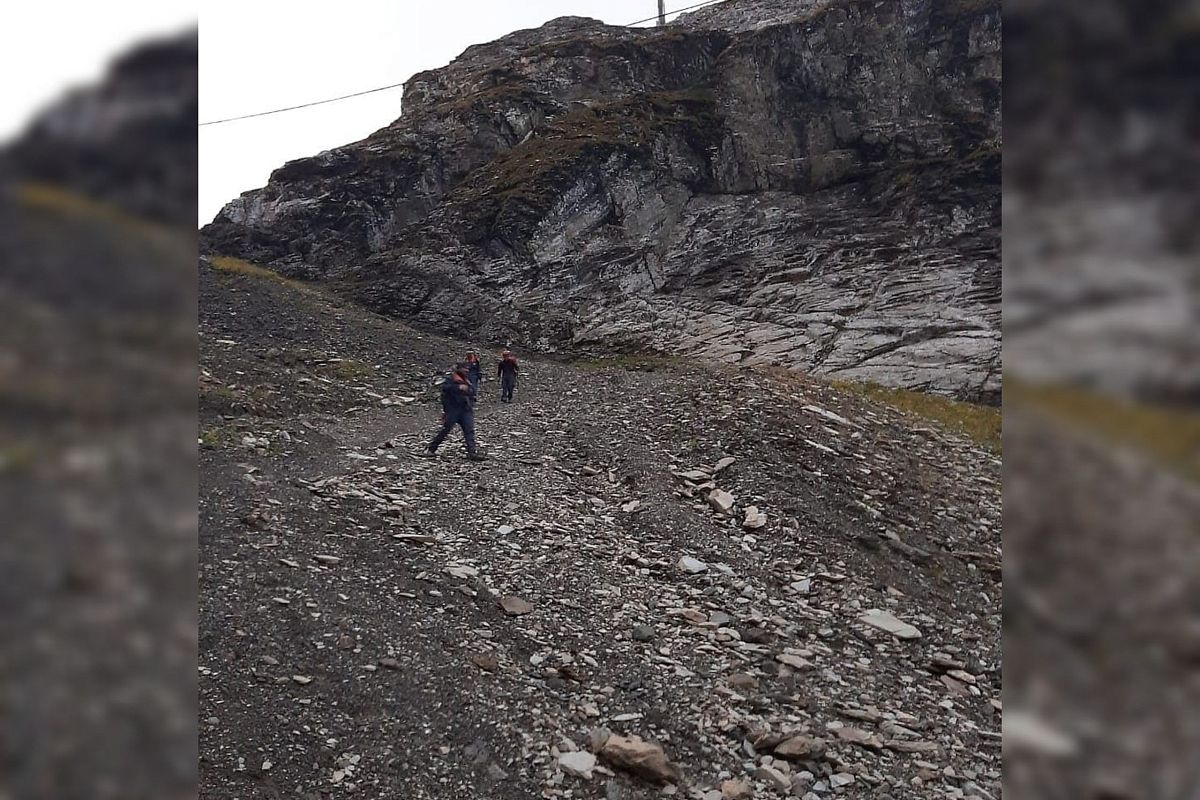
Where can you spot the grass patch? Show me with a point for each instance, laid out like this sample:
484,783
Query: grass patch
119,230
215,437
239,266
981,424
49,198
347,369
1168,436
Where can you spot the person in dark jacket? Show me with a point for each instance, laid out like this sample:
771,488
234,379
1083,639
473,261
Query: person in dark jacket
507,370
474,372
458,408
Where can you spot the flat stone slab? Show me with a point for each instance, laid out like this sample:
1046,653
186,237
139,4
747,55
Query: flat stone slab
890,623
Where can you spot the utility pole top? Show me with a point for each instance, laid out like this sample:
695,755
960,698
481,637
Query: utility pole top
662,12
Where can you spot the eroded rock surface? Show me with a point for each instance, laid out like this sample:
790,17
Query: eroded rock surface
810,184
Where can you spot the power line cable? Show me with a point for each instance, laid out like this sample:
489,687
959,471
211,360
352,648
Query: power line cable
398,85
303,105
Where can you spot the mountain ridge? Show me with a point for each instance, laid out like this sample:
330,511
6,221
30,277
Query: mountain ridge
819,193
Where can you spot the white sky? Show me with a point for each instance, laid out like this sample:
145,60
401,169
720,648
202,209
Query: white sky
257,55
47,47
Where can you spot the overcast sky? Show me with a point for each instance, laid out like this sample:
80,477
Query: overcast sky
257,55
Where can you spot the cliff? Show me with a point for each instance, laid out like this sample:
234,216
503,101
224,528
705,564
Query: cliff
814,185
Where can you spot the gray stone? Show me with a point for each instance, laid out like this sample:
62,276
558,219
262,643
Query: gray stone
644,633
579,763
755,519
889,623
721,501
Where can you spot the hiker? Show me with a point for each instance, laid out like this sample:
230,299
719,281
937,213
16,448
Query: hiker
507,370
458,408
474,372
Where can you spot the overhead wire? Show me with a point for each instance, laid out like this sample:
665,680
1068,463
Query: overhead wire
398,85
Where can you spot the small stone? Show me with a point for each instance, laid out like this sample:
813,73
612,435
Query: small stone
327,559
389,663
515,606
505,530
801,748
735,790
597,737
720,619
303,680
963,675
644,633
841,779
755,519
721,501
889,623
639,757
794,661
486,661
692,566
742,681
905,746
859,737
764,739
775,778
724,464
579,763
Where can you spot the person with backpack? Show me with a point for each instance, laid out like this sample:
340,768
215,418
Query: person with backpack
458,408
507,371
474,372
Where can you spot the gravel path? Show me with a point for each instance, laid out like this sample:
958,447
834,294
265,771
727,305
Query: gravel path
378,624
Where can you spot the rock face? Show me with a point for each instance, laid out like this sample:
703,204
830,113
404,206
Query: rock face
129,141
812,184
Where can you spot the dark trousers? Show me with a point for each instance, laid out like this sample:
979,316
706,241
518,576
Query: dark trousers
507,384
465,420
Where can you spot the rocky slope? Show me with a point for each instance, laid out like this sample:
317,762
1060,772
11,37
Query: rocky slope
376,624
1101,197
97,447
808,184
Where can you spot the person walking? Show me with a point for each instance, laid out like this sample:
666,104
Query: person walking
507,370
458,408
474,372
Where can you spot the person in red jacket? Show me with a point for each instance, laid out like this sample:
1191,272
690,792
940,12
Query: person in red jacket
507,371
